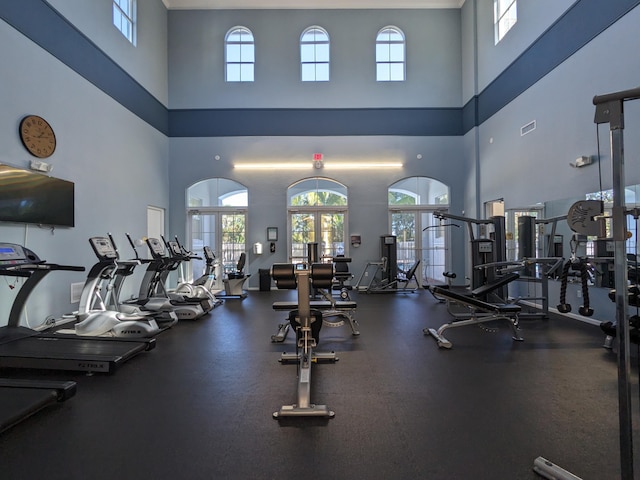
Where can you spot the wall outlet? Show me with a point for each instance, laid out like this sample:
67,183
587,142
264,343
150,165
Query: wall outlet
76,291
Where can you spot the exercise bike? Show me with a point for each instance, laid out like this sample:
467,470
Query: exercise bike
191,290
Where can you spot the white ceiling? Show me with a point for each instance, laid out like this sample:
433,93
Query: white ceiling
308,4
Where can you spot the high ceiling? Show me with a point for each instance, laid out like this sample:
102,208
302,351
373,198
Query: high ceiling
308,4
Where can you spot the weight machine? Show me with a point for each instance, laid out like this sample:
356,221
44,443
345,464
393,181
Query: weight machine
383,276
486,247
582,218
307,323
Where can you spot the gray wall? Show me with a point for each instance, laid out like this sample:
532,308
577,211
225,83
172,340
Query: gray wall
193,160
119,163
196,59
561,105
147,61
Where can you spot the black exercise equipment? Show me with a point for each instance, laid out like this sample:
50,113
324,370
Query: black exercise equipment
22,347
21,398
476,309
580,265
307,323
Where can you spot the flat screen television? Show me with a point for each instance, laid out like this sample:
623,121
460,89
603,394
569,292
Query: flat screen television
30,197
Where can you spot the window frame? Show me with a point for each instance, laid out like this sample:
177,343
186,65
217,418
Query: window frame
314,188
241,30
315,43
390,62
509,15
120,15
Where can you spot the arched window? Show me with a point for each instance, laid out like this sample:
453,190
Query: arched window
317,210
390,55
314,55
420,235
217,218
419,191
239,55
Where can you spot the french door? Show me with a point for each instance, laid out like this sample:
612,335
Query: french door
324,227
224,231
420,236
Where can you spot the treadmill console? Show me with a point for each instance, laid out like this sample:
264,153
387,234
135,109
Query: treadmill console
13,254
157,250
103,248
176,251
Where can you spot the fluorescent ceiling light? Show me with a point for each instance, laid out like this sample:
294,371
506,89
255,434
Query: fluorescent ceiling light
269,165
361,165
310,165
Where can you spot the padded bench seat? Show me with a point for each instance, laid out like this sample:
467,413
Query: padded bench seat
503,308
317,304
493,311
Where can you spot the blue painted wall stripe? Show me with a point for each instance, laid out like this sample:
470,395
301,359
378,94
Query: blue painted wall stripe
41,23
315,122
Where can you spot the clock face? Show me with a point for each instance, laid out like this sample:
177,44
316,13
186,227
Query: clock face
37,136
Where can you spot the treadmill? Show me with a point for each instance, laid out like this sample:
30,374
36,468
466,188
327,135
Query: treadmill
19,398
22,347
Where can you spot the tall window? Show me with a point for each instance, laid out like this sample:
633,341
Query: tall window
124,13
505,15
217,218
317,214
419,234
390,55
240,55
314,55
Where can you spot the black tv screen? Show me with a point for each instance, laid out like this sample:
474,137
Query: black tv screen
30,197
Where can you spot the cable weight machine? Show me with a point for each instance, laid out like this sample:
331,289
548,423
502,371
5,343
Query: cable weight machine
610,109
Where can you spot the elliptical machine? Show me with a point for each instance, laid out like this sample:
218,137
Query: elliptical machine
152,285
208,277
94,319
160,308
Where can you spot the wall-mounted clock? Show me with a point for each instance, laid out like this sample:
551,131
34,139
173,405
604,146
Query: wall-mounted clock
37,136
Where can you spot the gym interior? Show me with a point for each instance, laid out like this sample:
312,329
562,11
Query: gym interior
465,159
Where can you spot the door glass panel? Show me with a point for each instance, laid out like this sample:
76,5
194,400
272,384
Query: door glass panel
302,232
203,234
434,249
233,230
332,233
403,226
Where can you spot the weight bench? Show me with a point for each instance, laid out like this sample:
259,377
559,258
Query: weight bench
307,323
480,312
329,309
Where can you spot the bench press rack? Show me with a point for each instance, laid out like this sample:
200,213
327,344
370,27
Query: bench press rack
302,278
